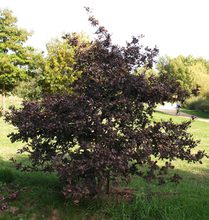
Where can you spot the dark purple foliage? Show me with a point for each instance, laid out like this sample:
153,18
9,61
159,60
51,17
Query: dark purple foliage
104,130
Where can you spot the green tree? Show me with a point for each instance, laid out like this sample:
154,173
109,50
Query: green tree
191,73
200,74
13,53
59,73
30,89
179,69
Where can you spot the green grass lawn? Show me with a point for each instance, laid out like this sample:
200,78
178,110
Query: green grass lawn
39,196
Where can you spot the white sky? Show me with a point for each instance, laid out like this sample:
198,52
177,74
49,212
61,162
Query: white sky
175,26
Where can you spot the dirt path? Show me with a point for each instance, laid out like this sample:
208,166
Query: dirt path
171,110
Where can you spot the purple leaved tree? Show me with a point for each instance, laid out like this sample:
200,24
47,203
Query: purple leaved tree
104,130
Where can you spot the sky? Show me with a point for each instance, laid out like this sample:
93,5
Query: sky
176,27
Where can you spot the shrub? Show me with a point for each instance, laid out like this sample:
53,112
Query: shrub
198,103
103,130
204,106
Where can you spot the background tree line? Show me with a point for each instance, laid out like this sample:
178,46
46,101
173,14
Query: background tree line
28,73
192,73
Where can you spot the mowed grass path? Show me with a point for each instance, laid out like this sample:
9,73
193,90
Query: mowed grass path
39,196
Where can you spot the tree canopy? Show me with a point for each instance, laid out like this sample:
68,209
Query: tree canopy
179,69
190,72
58,74
54,72
14,56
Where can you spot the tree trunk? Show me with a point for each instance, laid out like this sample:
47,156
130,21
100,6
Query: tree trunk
108,183
3,100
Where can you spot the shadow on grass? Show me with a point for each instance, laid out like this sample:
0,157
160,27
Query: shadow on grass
39,192
40,196
27,178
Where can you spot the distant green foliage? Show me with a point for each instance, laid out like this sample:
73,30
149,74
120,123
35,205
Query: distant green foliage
54,73
178,69
15,58
30,88
13,55
198,103
188,71
191,73
59,73
200,74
